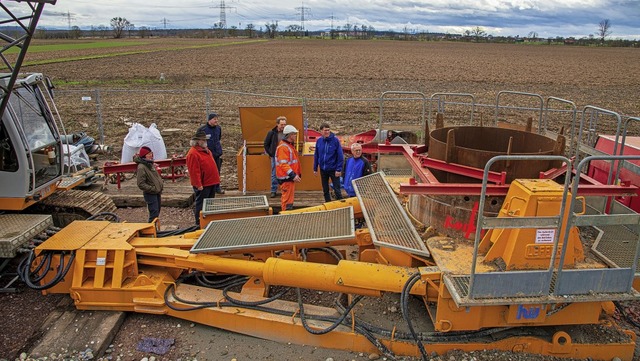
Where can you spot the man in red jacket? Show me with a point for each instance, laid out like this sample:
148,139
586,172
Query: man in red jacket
203,171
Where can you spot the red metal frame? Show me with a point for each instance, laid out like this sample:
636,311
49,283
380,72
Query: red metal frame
172,163
430,184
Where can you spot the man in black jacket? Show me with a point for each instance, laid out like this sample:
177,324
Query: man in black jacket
270,144
214,135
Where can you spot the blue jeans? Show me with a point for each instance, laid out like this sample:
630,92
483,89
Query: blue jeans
153,205
206,192
274,180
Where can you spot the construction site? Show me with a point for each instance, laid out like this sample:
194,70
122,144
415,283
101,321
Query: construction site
496,225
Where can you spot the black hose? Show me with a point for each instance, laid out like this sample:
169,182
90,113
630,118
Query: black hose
103,215
25,273
624,313
200,305
404,301
225,293
176,232
48,257
202,280
329,250
337,323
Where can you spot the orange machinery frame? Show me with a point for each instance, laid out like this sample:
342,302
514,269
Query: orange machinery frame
124,267
256,122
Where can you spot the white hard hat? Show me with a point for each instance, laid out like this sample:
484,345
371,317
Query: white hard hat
289,129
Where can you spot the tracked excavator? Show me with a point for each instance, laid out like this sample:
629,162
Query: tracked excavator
36,174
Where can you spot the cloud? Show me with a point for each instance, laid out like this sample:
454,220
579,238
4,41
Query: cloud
548,18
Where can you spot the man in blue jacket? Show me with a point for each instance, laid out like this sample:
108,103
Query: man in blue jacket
355,167
214,135
329,158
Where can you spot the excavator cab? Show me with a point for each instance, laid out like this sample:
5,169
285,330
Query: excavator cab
31,161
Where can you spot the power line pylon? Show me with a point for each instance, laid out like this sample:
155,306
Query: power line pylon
302,11
223,14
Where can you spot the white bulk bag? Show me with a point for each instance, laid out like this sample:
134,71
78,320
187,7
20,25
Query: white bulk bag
153,139
132,142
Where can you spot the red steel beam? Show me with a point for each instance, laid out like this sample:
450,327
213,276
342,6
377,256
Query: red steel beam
471,172
132,166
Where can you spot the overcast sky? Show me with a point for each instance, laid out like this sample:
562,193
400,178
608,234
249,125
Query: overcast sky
548,18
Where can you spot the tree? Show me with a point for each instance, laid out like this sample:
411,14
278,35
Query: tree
478,33
119,25
347,29
272,29
532,35
75,32
294,29
604,29
250,30
144,32
233,31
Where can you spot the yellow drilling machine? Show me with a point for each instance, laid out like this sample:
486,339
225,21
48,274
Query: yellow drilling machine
524,283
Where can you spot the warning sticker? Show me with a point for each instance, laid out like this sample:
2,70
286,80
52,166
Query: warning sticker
545,236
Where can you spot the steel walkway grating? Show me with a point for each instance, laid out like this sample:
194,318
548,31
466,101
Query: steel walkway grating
616,245
387,221
234,204
268,232
18,229
458,286
398,172
68,182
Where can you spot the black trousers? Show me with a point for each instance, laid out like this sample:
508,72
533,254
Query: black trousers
218,160
206,192
325,175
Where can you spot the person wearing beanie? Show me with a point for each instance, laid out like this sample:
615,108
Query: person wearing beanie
149,181
203,172
214,135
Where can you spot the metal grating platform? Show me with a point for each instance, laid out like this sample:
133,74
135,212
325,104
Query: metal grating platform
398,172
234,204
458,286
270,232
18,229
70,182
387,221
616,245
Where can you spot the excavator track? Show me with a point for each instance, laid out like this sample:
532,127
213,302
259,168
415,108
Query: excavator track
70,205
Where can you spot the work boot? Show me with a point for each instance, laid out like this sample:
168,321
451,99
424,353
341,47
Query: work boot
273,194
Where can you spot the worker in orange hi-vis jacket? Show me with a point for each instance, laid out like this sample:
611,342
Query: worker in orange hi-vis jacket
288,166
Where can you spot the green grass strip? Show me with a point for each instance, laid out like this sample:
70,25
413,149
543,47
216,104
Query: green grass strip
77,46
112,55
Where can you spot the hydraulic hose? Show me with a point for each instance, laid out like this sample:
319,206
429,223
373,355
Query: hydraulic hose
404,301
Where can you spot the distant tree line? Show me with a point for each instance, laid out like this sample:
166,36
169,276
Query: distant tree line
120,27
